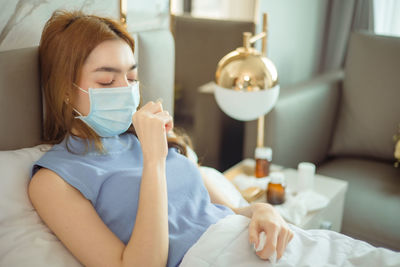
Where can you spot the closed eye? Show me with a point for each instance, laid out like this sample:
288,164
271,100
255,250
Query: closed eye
133,80
106,84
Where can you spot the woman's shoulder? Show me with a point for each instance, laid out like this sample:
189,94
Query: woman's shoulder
60,166
72,163
44,179
60,152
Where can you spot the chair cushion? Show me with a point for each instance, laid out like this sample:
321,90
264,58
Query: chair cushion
369,107
372,204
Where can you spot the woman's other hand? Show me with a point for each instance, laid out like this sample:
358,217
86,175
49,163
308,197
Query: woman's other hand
266,219
152,123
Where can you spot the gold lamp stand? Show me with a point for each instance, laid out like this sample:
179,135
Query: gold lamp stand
122,12
263,35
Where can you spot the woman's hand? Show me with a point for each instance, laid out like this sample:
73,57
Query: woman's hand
266,219
152,123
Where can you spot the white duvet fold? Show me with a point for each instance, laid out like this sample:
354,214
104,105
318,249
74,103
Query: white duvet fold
226,244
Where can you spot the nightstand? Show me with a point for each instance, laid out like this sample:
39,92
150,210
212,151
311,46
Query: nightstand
329,217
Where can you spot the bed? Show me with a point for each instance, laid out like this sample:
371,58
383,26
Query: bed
26,241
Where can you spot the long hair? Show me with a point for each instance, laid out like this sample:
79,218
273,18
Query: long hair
67,40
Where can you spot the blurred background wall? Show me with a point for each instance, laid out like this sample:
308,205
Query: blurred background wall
206,30
22,21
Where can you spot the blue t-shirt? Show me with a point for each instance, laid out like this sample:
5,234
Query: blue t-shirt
111,182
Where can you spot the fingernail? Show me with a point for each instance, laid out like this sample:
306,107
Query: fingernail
159,100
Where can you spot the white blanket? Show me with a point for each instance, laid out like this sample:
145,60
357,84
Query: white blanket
226,244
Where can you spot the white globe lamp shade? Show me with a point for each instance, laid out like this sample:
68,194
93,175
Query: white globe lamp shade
246,105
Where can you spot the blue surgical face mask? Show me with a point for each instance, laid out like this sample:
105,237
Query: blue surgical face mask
111,109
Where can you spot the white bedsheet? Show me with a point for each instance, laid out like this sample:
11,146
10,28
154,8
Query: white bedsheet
226,244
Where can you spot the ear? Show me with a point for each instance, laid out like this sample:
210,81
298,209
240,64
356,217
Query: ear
67,97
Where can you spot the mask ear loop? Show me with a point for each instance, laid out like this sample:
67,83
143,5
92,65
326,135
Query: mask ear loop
80,114
74,109
80,88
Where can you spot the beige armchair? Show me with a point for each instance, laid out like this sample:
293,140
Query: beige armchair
344,122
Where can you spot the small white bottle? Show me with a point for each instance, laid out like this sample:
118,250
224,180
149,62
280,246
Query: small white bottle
305,176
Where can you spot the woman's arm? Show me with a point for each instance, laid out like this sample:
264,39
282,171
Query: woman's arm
148,245
264,218
151,227
76,223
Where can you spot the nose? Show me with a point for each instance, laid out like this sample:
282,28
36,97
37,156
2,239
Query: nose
122,82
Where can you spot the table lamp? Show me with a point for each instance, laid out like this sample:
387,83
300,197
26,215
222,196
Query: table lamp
247,82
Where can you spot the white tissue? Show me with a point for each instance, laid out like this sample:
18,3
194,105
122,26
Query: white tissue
296,207
243,182
272,259
262,238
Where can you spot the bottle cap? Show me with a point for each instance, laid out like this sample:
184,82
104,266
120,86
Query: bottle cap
277,178
307,168
263,153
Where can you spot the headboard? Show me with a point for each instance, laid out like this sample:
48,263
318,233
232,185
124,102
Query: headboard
20,95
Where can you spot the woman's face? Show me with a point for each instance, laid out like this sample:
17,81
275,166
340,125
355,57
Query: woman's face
110,64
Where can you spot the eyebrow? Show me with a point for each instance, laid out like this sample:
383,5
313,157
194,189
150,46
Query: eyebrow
112,69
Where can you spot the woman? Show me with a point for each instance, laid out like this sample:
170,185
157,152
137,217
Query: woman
116,188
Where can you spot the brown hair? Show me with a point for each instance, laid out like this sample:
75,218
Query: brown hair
67,40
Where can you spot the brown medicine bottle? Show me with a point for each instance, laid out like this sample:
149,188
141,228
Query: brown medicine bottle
263,156
276,189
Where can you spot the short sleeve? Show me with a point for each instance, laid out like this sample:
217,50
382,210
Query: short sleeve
76,173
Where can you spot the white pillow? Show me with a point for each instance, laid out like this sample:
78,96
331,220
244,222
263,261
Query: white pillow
232,195
24,239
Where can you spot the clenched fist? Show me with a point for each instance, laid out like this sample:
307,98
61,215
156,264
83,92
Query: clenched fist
152,124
